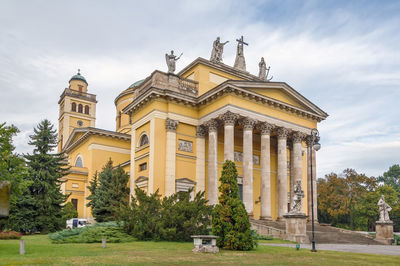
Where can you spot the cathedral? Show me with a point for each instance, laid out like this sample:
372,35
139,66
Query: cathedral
174,131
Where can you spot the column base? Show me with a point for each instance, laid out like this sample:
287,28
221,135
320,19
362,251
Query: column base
266,218
384,232
251,215
296,228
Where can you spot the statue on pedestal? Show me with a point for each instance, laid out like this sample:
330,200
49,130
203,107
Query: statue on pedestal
384,210
297,198
218,49
263,70
171,61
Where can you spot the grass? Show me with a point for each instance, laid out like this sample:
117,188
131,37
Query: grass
40,250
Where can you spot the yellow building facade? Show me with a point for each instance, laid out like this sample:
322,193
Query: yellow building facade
174,132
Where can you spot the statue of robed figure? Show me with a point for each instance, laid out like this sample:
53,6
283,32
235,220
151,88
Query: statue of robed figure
297,198
171,61
218,49
263,70
384,210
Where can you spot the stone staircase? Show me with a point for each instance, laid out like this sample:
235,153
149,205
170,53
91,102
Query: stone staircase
323,234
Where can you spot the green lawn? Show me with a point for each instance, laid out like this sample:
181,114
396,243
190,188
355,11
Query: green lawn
39,250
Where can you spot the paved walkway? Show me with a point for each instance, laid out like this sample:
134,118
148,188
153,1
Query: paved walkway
371,249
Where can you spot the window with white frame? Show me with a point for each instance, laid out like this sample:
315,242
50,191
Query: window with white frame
79,161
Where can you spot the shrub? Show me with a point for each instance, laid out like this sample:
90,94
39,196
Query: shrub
174,218
10,235
92,234
229,219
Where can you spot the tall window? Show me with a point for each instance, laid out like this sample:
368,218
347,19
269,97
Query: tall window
75,203
79,162
73,107
144,140
87,109
80,108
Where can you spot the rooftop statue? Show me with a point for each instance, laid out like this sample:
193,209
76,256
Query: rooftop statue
217,51
240,62
263,70
171,61
297,198
384,210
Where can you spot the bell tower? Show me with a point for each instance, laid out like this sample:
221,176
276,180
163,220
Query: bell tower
77,108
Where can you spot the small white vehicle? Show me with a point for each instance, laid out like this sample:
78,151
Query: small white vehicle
76,223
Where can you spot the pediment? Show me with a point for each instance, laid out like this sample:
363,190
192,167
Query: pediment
280,95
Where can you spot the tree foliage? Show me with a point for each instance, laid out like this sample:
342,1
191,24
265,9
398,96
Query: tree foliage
229,219
350,200
392,177
39,206
68,212
173,218
109,189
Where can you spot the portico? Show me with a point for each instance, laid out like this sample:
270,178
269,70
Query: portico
256,135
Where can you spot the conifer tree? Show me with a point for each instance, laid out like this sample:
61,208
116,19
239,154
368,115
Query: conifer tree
229,219
109,192
45,171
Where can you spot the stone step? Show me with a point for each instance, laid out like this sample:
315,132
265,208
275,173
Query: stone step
325,234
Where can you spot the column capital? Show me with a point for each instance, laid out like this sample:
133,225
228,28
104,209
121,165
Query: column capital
309,140
298,137
265,128
171,125
212,125
229,118
201,131
248,123
282,132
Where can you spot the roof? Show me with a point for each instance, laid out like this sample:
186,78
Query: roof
89,131
137,83
78,76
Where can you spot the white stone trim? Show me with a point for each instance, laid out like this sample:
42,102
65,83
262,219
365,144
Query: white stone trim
95,146
151,156
132,169
164,115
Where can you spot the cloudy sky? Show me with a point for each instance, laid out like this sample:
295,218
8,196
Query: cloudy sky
344,57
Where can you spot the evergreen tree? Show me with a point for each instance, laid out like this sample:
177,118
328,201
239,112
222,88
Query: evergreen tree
229,219
92,188
109,192
69,212
45,171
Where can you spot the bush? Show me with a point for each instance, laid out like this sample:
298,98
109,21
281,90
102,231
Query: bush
229,219
92,234
259,237
174,218
10,235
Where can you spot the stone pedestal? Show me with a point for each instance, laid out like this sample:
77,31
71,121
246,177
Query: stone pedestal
384,232
296,228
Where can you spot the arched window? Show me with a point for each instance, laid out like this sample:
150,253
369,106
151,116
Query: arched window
73,107
79,161
80,108
144,140
87,109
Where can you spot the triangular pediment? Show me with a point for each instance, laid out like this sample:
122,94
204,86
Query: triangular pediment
280,95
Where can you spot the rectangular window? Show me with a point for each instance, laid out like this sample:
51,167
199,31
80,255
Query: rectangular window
142,166
75,203
75,185
241,192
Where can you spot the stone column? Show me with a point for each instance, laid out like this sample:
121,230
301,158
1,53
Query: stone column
212,186
200,159
314,174
297,162
265,162
170,157
248,125
229,119
132,178
282,134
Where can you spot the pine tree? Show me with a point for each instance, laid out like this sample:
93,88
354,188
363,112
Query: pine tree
92,188
109,192
229,219
45,171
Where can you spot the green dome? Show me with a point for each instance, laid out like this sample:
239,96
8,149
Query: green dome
136,84
78,77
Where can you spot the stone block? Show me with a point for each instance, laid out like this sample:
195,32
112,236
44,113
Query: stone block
384,232
296,228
